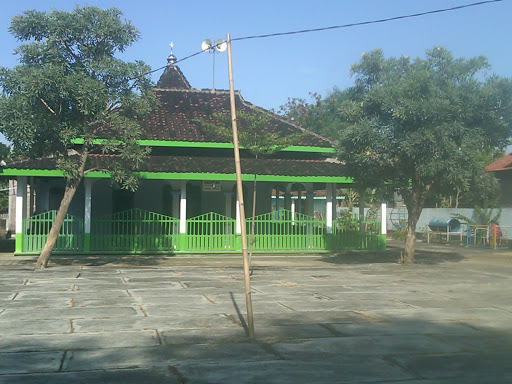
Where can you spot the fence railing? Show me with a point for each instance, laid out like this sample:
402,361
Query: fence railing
285,230
141,231
211,232
134,230
36,229
352,233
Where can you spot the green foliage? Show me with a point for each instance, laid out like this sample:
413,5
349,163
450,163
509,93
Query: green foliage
320,115
69,85
399,234
255,132
4,184
5,151
479,188
481,216
347,221
421,123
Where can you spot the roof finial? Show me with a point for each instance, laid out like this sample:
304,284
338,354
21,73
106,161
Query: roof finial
171,59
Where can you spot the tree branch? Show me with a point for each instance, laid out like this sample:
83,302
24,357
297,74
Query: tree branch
47,106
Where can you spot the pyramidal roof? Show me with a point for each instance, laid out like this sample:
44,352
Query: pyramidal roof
173,78
181,109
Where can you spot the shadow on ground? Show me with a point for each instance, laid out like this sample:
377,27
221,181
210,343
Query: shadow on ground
393,254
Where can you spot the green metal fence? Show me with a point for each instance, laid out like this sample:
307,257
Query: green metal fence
285,230
139,231
351,233
134,230
211,232
37,227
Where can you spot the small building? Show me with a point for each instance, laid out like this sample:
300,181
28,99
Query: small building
186,200
502,169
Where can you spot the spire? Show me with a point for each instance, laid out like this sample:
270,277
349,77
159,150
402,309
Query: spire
171,59
172,78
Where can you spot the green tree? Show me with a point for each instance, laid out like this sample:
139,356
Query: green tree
4,184
417,124
320,115
479,189
69,86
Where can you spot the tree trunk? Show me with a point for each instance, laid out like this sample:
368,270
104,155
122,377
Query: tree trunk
69,192
410,243
414,202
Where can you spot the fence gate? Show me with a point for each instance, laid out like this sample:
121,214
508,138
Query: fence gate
211,232
134,230
352,234
284,230
37,228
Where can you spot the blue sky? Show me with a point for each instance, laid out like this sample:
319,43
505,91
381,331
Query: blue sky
268,71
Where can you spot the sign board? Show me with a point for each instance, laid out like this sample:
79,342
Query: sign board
211,186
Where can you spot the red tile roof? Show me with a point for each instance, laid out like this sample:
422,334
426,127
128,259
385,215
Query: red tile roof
206,164
502,164
181,110
173,78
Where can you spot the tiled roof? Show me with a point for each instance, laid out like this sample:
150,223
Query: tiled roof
181,109
502,164
214,165
173,78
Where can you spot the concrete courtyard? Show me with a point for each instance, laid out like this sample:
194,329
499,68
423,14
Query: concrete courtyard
355,317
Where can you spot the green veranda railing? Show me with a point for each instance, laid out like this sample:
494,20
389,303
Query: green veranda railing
134,230
37,227
285,230
139,231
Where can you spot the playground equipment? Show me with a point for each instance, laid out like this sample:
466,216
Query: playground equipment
444,228
398,217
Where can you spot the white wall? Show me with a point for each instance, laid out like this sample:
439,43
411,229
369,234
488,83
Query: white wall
428,214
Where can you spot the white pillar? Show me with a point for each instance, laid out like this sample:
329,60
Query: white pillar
384,218
87,206
11,220
21,206
329,206
238,219
87,213
21,210
183,207
293,208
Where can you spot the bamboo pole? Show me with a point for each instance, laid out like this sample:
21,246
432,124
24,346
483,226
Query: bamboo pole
238,170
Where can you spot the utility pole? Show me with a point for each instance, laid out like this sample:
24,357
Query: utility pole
240,195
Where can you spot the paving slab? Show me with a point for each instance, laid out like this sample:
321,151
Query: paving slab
116,376
353,317
346,370
79,341
144,357
30,362
489,367
155,322
15,314
34,327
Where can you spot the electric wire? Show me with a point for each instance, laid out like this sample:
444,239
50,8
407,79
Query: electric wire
366,22
350,25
